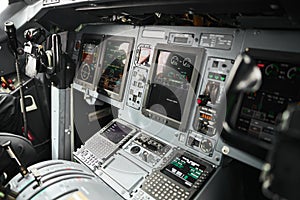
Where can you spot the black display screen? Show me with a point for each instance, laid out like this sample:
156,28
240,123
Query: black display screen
184,170
261,111
171,83
116,132
116,57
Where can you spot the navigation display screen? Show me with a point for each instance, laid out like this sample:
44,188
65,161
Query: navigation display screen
261,111
114,66
171,83
116,132
184,170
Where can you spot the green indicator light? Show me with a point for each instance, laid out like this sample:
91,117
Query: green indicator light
217,77
222,78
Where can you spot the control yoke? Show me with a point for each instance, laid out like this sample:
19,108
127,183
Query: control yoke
244,77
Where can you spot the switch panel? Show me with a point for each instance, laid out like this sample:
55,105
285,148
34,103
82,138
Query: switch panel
137,85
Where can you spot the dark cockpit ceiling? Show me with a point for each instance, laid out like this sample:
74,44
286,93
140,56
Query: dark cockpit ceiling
269,14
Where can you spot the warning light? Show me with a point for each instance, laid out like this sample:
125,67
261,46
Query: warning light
261,65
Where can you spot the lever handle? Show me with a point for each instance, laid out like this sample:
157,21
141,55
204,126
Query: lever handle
7,146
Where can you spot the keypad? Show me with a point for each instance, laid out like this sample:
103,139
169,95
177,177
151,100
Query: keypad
159,187
95,150
88,158
100,146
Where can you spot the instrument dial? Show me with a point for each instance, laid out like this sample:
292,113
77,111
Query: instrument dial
85,71
174,60
292,73
272,69
187,62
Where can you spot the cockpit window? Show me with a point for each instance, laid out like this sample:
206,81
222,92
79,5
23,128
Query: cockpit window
3,5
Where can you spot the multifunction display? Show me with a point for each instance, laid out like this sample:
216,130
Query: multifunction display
184,170
88,60
175,71
171,83
115,61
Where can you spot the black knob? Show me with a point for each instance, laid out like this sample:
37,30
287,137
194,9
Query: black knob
135,149
10,30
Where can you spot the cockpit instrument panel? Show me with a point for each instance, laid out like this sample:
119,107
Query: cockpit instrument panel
174,76
114,66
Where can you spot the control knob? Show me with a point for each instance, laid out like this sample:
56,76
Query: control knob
206,146
135,149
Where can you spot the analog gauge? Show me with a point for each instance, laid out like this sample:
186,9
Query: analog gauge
206,146
292,73
187,62
85,71
174,60
272,69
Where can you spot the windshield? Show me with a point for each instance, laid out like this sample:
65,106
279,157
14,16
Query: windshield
3,5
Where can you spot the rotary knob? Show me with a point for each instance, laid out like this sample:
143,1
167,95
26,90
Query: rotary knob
135,149
206,146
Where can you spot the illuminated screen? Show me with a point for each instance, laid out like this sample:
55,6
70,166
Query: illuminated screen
171,83
261,111
116,132
88,61
116,57
184,170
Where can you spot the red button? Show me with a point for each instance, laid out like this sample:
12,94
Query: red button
199,101
9,81
4,85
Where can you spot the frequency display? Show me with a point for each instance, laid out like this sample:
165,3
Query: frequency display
173,80
115,63
261,111
184,170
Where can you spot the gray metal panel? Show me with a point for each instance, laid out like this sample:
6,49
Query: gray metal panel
274,40
60,123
